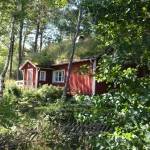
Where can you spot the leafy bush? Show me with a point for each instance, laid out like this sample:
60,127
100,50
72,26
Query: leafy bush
38,98
25,100
8,111
49,93
125,107
21,112
12,88
126,113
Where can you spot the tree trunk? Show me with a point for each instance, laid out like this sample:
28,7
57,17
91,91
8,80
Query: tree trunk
3,74
36,37
41,39
20,54
11,56
64,96
23,45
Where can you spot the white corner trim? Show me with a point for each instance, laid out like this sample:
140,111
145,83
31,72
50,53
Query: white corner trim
94,81
36,78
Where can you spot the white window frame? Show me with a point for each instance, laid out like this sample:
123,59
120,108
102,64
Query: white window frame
44,77
56,72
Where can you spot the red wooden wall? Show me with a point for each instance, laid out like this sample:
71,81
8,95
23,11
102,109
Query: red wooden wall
25,68
81,83
48,77
78,83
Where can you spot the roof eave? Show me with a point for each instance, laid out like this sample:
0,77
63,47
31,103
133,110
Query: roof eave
27,61
78,61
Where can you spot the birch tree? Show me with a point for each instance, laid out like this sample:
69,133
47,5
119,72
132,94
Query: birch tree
5,69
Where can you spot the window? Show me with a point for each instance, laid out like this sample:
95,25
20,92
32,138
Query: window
58,76
42,75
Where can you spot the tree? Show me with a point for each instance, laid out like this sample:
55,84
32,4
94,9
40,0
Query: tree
10,51
123,26
41,16
22,6
72,54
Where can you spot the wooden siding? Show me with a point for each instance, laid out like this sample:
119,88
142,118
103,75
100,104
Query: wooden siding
25,70
48,77
78,83
81,83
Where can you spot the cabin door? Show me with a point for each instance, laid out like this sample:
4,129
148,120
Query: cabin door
29,77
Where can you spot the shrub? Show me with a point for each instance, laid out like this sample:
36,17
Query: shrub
12,89
31,99
49,93
8,111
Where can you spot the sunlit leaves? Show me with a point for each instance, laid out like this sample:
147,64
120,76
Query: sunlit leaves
61,2
122,25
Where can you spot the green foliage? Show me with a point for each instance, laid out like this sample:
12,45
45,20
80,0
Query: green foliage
24,110
8,111
2,57
57,52
125,107
25,101
50,93
40,58
111,70
126,110
84,69
37,99
123,25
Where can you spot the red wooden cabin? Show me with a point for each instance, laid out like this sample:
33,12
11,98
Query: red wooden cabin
81,79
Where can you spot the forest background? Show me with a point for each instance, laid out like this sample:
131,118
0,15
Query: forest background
44,30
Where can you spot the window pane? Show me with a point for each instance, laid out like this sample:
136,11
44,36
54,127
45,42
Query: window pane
42,75
58,76
55,76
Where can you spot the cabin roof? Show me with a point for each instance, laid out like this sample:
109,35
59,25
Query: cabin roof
35,65
24,64
56,64
74,61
